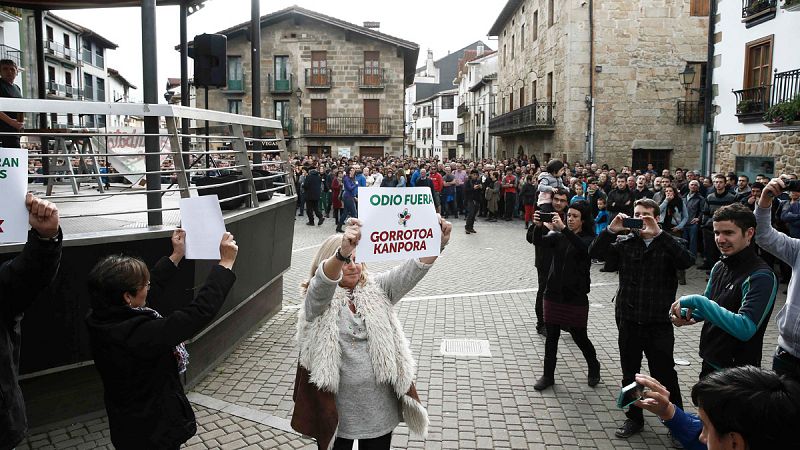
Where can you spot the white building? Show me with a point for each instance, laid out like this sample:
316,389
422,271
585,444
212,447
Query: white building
758,67
9,37
119,91
476,93
435,126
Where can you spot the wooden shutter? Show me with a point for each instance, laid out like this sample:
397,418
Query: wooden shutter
372,111
699,8
758,63
319,116
319,68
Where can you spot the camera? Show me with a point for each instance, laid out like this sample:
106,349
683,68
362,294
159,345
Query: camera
629,394
630,222
546,216
792,185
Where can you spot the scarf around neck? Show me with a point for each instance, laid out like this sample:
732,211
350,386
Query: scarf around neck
180,352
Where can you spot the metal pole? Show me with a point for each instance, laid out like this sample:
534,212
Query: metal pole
208,133
150,91
38,17
707,153
185,95
255,61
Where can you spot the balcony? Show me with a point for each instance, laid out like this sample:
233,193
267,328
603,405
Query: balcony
99,61
539,116
59,51
348,127
752,103
755,12
691,113
235,86
86,55
280,86
460,138
371,78
463,110
318,78
11,53
288,127
88,93
101,95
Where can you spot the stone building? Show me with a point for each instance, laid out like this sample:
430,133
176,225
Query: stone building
337,87
476,93
756,68
601,81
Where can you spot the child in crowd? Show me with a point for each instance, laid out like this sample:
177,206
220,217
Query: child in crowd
601,221
548,181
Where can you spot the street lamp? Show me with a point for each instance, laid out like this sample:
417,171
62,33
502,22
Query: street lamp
299,94
687,76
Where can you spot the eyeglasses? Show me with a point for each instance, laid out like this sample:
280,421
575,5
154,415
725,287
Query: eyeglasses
147,286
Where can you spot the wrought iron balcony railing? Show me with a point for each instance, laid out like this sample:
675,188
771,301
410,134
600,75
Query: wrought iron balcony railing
236,85
60,51
371,78
463,110
349,126
61,90
691,112
280,86
11,53
752,103
318,78
751,8
533,117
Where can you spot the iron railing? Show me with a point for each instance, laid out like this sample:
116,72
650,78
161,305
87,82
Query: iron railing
7,52
785,86
318,78
372,78
536,116
349,126
283,86
691,112
463,110
99,61
752,103
460,138
110,163
60,51
751,8
236,85
86,55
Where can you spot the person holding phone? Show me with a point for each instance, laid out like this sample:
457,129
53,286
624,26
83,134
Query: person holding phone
648,261
566,300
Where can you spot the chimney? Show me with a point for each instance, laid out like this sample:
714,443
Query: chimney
429,67
480,50
372,25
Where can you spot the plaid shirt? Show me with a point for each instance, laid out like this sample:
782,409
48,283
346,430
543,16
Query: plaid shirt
648,277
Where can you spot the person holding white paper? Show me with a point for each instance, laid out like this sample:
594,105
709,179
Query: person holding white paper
22,280
368,389
140,354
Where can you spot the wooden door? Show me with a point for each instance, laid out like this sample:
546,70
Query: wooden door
372,111
372,68
319,68
319,116
370,151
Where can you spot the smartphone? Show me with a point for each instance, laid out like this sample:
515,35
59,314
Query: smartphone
630,222
546,216
792,185
629,394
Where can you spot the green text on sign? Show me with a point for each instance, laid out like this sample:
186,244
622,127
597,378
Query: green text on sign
394,200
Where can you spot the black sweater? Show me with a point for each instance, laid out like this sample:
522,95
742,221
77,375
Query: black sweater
569,277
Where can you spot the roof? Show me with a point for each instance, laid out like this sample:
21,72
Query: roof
438,94
411,50
448,70
483,81
115,74
505,14
79,4
83,31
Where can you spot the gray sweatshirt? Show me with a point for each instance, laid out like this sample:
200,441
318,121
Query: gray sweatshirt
788,250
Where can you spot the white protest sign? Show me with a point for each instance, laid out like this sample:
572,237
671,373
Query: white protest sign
201,217
13,186
398,223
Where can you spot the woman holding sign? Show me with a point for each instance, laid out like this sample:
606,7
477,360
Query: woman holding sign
566,301
354,378
140,354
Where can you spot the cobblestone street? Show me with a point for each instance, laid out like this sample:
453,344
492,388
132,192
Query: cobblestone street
483,287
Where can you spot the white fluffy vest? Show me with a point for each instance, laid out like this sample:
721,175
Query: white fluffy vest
320,350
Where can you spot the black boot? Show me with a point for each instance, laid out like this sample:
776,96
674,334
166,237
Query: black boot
594,373
339,229
544,382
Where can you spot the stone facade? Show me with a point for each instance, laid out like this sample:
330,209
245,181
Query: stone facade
783,147
297,37
639,50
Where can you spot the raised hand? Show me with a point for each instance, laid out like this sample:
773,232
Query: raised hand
178,245
228,251
352,234
43,216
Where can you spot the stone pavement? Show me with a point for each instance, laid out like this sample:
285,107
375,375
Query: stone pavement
482,287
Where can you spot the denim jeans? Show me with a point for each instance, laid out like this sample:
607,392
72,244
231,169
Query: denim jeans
349,208
690,231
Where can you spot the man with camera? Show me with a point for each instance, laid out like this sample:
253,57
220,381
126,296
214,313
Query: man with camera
648,261
738,299
786,359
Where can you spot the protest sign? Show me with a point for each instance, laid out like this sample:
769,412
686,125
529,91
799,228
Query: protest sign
124,141
398,223
201,217
14,186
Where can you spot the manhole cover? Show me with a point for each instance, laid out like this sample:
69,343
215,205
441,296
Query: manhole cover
465,347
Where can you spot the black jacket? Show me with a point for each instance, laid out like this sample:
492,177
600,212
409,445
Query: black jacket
313,186
471,189
620,201
714,202
528,194
133,351
21,281
543,256
569,278
648,278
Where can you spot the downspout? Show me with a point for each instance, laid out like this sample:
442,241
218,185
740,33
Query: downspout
590,137
707,153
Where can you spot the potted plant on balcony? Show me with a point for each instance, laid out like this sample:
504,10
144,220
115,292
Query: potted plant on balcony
784,113
745,106
757,6
791,5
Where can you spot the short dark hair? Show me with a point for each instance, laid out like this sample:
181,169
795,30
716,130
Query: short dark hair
561,191
738,214
757,185
757,403
720,175
113,276
587,227
648,203
745,177
8,62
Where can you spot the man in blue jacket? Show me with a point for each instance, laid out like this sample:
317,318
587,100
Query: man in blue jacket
738,299
21,281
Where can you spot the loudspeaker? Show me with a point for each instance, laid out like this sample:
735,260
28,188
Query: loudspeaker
210,60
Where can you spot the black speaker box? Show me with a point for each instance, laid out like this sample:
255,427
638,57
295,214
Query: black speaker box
223,192
210,55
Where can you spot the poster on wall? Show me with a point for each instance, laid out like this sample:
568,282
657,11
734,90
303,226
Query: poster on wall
344,152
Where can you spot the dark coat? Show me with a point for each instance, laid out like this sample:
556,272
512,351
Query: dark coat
529,194
133,351
313,186
21,281
620,201
569,277
648,278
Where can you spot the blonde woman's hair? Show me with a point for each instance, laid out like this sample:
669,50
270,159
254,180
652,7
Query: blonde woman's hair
325,251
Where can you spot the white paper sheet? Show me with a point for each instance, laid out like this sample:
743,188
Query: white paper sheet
201,217
13,186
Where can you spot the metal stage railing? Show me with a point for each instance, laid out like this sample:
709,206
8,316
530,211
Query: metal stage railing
222,162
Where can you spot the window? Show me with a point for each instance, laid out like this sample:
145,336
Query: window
550,87
551,12
447,127
372,68
66,41
234,70
512,46
235,106
448,101
522,37
98,57
752,166
101,90
511,101
533,91
504,54
522,96
418,133
87,51
282,111
758,62
281,68
88,86
699,8
50,34
535,26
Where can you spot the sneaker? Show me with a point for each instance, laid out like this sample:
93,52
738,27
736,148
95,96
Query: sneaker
544,383
628,429
310,223
675,443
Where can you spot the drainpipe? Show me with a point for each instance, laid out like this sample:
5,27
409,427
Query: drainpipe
707,152
590,100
